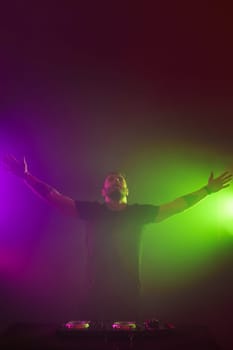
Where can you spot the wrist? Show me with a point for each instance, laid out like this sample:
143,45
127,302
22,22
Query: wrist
208,190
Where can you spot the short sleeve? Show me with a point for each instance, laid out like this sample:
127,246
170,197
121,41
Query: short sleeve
146,212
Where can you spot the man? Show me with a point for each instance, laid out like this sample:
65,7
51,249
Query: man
113,236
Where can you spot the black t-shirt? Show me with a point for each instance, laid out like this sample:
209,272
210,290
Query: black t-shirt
113,239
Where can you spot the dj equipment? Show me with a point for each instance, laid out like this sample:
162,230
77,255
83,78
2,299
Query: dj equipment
107,335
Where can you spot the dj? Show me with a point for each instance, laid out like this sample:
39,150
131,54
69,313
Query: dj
113,231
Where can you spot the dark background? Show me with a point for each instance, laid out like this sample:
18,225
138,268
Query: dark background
85,87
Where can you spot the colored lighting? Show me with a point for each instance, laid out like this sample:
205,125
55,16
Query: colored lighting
125,326
77,325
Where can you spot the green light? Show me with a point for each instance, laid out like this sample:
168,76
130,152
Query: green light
225,212
179,251
228,207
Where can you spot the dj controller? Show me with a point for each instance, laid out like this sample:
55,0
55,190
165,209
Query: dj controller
106,335
78,326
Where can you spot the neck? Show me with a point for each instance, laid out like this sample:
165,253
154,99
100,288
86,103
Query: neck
116,205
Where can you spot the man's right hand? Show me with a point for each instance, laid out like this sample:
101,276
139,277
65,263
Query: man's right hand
16,167
19,168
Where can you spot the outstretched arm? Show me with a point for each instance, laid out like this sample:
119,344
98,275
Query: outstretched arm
20,168
182,203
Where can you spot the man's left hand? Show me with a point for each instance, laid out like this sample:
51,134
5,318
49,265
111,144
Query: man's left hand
218,183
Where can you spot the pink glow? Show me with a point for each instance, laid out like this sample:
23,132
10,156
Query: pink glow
10,261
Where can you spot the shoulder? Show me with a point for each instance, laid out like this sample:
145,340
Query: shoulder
144,212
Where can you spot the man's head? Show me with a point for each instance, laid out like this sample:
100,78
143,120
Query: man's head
115,187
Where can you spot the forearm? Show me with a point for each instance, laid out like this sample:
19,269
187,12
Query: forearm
182,203
190,199
63,203
37,186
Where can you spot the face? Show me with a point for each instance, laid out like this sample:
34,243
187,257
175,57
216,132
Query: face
115,187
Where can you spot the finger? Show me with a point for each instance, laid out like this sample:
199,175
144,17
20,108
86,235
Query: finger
227,178
224,179
226,173
211,176
13,159
224,186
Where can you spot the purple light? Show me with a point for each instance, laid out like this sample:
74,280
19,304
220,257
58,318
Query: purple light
10,261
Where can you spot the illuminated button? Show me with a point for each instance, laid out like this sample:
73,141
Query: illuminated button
124,325
77,325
